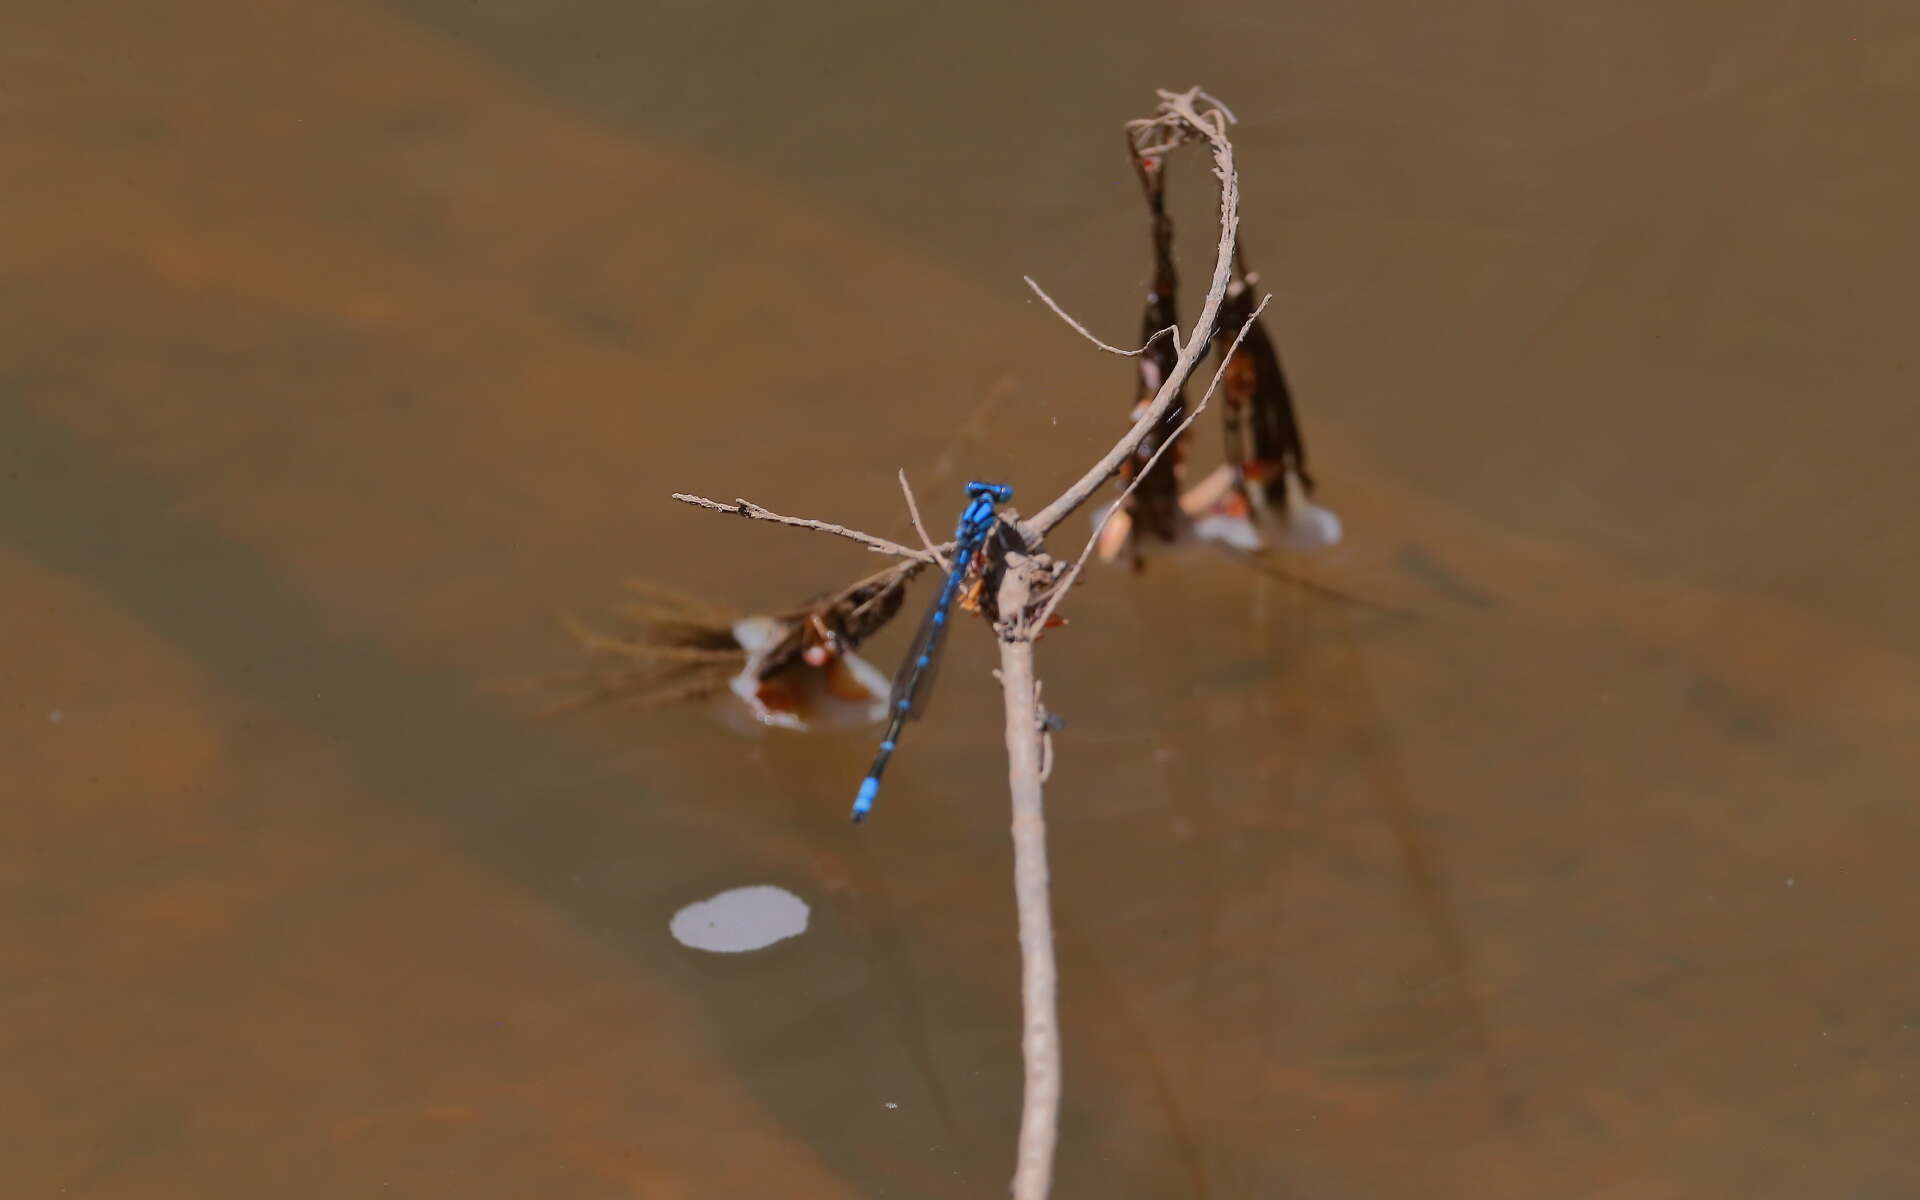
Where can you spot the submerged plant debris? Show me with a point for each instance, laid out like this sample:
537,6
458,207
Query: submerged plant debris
1265,472
1264,480
793,669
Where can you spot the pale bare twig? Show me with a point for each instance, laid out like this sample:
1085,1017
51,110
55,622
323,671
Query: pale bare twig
1059,592
1177,120
747,508
1182,121
1039,972
1209,98
1088,334
913,510
1040,1037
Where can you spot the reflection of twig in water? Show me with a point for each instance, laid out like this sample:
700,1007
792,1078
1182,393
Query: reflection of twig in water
675,648
898,975
1424,879
1267,566
1186,1147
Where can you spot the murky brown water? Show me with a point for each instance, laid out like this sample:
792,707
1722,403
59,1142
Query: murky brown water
341,349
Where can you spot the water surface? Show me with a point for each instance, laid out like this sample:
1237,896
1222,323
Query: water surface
343,348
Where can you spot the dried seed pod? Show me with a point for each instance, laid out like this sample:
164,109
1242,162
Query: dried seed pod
1153,509
1266,456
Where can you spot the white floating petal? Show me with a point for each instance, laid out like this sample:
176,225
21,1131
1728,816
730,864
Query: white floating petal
740,919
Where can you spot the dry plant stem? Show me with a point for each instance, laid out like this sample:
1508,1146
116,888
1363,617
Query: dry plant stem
1040,1034
1084,332
748,509
913,510
1177,111
1040,1040
1184,122
1178,120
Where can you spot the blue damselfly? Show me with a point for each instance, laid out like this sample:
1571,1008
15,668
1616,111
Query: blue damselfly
912,681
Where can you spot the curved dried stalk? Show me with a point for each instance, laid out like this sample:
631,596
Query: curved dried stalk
1029,589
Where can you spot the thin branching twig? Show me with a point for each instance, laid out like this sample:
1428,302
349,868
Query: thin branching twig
1030,588
1022,622
1039,974
747,508
1177,120
919,527
1086,333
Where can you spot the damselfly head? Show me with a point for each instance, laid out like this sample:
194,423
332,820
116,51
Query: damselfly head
999,493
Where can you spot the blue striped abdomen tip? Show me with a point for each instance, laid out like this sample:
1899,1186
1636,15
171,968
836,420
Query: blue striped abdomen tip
863,800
